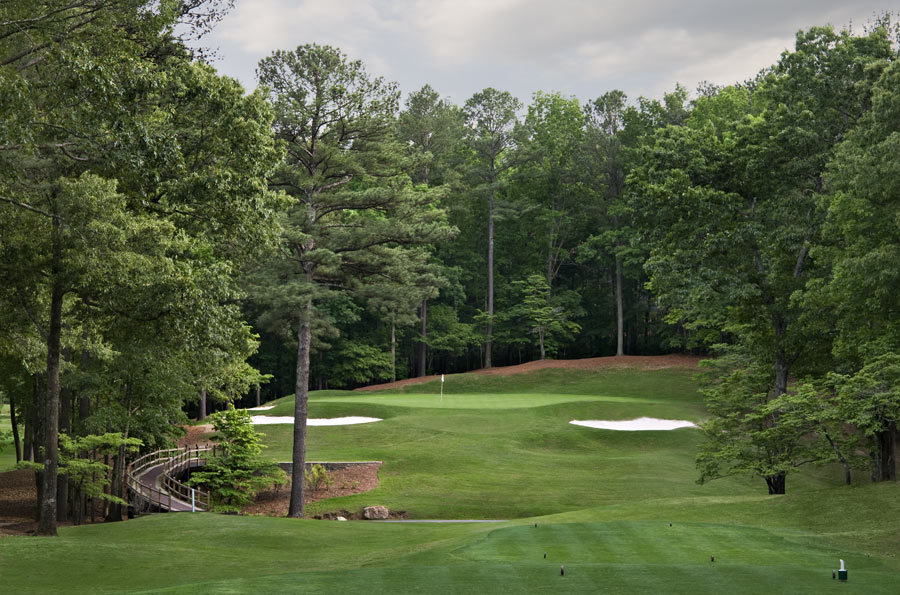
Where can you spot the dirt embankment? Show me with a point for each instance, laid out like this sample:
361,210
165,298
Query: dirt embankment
640,362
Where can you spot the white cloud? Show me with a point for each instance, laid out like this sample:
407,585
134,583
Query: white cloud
580,47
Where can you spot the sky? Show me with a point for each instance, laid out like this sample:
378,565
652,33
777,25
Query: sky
579,48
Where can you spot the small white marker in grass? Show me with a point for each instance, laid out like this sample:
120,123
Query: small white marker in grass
442,388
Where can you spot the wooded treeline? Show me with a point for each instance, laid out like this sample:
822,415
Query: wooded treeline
169,242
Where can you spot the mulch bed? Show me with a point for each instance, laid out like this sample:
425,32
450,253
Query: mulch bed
345,482
18,504
275,501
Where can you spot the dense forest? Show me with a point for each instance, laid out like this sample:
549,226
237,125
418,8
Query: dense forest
170,243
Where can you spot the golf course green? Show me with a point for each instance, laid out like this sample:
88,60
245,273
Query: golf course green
584,510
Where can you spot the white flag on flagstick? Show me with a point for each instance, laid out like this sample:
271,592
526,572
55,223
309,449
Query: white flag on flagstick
442,377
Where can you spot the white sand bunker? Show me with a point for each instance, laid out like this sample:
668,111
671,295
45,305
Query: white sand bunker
261,420
263,408
635,425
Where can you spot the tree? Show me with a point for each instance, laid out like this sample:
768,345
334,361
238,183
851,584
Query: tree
491,119
432,129
551,176
548,318
234,477
732,206
870,400
351,213
415,281
118,196
750,433
605,122
615,135
860,239
860,243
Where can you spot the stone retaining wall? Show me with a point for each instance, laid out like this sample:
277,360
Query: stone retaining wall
329,465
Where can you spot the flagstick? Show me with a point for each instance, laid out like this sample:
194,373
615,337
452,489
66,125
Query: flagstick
442,388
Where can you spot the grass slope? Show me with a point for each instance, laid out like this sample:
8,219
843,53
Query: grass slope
502,448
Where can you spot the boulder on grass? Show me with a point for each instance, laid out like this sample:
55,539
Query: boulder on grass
375,513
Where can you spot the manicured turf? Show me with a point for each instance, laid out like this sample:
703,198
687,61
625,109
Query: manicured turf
502,448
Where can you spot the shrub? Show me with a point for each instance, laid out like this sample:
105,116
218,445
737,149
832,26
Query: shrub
317,477
234,478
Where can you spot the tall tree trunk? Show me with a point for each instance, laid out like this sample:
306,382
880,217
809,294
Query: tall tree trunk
84,399
782,364
202,415
117,486
885,464
258,388
65,420
30,412
840,457
620,318
488,362
47,519
301,402
15,426
776,483
422,347
393,352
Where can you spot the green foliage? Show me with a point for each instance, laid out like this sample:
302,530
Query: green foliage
318,477
547,317
750,432
446,333
732,204
861,237
431,128
354,362
78,460
134,192
870,400
233,479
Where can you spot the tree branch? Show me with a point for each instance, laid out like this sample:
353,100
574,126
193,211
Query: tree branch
26,206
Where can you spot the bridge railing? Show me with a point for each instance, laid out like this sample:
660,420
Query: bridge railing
174,461
182,461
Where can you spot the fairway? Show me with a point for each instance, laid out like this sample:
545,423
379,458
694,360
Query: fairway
621,511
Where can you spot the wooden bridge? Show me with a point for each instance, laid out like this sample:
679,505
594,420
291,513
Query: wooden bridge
153,485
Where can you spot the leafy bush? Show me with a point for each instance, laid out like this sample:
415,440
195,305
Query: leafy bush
317,477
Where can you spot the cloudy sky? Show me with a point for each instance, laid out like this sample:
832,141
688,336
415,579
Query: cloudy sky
577,47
